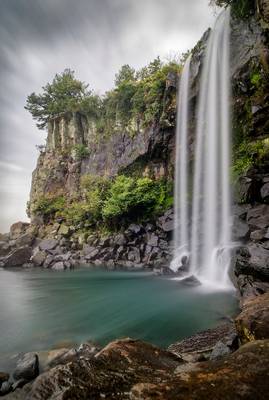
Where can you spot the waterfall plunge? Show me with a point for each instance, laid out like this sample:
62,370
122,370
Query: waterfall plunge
210,244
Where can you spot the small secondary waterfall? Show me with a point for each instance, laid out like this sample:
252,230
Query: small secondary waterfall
210,234
181,221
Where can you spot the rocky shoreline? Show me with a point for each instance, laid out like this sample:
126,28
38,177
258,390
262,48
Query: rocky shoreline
228,362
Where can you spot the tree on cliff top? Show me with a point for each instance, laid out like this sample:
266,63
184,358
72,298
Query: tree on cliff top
64,94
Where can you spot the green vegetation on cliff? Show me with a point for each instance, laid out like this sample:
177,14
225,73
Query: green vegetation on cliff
106,202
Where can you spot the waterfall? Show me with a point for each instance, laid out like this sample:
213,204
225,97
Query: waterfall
181,220
210,248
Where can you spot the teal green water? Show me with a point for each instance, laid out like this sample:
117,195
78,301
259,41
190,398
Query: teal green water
41,309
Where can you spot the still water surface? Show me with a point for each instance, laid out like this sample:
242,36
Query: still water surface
41,309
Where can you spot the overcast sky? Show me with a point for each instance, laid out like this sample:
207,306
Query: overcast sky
94,38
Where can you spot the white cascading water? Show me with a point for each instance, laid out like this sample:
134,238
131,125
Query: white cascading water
181,220
210,249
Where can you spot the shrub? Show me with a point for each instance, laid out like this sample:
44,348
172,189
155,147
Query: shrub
48,207
135,199
248,155
81,151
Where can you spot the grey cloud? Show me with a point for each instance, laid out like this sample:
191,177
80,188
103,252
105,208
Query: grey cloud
93,37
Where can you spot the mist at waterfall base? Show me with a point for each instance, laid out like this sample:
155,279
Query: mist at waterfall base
43,309
204,233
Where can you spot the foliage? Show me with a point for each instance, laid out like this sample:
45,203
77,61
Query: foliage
248,155
48,206
94,190
133,198
81,151
64,94
256,79
125,74
239,8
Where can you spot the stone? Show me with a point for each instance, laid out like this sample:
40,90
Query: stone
18,257
48,261
27,367
135,228
18,229
258,235
168,226
120,240
153,240
4,237
19,384
48,244
130,369
87,249
240,229
104,242
253,260
134,255
247,189
4,376
190,281
250,287
64,230
253,322
258,216
58,266
25,240
5,248
39,258
265,193
5,388
93,254
220,350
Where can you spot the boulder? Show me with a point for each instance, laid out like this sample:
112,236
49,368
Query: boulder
48,261
120,240
253,260
258,216
18,257
39,258
64,230
134,255
58,266
25,240
152,240
265,193
135,228
18,229
240,229
48,244
250,287
220,350
130,369
27,367
253,322
4,248
258,235
5,388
